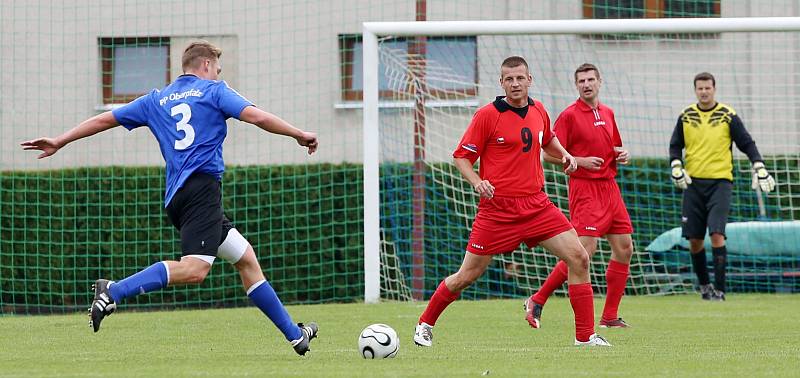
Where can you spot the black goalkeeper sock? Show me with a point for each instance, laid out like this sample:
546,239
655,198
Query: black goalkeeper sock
720,263
700,267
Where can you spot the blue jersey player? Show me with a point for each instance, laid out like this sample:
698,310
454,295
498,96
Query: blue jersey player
188,120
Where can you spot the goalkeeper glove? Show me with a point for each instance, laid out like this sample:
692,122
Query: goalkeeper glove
761,178
679,176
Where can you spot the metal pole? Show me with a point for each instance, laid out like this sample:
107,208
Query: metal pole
416,51
372,259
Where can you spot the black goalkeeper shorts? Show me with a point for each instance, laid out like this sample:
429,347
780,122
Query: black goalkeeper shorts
196,211
706,204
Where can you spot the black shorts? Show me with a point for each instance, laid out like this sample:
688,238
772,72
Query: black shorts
706,204
196,211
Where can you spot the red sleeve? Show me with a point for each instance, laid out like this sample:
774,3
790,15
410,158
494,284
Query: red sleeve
617,137
547,133
562,129
474,140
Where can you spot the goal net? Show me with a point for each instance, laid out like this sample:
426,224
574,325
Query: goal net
431,85
95,209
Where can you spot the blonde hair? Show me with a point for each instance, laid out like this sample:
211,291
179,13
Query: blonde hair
514,61
198,51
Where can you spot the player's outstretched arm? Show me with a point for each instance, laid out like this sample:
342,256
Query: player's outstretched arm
274,124
89,127
557,151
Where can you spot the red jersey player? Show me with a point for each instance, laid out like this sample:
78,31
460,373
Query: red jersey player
507,136
589,131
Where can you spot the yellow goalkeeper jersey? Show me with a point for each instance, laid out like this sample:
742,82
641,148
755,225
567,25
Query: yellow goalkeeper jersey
707,136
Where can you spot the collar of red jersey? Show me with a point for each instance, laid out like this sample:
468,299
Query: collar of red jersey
582,105
501,105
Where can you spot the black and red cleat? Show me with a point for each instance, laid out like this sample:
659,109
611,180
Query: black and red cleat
615,323
533,313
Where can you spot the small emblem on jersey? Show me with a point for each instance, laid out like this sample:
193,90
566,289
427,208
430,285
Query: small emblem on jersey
599,123
470,147
501,140
684,219
202,243
591,228
477,246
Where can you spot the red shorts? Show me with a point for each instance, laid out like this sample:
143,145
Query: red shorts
596,207
502,223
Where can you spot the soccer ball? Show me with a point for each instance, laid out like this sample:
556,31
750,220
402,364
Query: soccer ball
378,341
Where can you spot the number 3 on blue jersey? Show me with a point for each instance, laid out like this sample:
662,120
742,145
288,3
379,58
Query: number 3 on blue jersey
183,125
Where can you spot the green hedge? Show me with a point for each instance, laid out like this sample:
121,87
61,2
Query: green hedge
61,230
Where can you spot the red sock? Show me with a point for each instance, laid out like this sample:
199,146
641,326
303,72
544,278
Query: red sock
616,278
581,298
440,299
554,281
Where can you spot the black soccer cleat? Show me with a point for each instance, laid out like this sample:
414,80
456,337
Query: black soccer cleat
102,305
718,296
707,292
309,332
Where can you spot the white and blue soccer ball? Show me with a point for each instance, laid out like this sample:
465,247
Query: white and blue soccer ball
378,341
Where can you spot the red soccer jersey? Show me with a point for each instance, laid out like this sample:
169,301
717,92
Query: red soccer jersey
584,132
509,146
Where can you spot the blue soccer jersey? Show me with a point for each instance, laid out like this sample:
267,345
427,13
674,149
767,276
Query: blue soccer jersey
188,119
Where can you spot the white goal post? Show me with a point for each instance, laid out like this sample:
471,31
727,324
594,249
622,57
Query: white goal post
373,30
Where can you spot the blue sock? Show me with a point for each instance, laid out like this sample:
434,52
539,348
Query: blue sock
262,294
152,278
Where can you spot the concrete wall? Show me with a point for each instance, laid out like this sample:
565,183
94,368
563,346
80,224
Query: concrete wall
284,57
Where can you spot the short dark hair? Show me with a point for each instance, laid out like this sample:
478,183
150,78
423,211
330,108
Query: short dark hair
198,51
586,67
705,76
514,61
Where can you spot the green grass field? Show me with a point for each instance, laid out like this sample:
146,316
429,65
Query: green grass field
749,335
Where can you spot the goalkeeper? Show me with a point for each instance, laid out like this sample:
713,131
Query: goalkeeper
706,131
